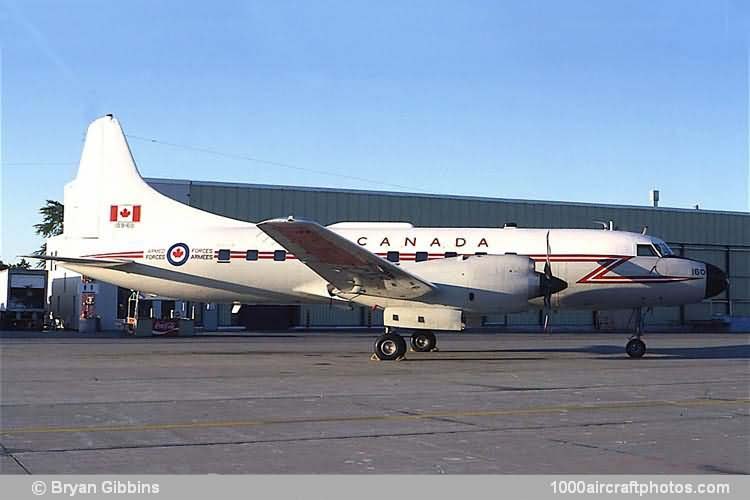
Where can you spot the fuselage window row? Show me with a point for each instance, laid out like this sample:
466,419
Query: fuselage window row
225,255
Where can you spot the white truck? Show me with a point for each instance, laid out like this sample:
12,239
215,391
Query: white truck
23,297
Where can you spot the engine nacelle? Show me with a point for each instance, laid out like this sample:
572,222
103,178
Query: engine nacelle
482,283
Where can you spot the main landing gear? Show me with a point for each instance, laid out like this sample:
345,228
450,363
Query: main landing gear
423,341
391,346
635,347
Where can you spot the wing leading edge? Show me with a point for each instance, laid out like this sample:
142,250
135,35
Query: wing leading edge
344,264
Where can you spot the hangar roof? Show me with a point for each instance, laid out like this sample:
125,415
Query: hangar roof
186,182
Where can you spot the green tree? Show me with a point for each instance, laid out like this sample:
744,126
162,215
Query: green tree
51,225
21,264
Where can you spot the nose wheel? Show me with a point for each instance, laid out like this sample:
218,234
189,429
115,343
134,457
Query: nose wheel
423,341
635,348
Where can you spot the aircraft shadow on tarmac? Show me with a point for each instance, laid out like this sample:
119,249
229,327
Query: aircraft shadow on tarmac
513,358
739,351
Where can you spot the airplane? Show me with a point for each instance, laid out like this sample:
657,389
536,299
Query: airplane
118,229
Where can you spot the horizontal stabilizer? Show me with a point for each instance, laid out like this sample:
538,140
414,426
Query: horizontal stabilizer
89,266
80,261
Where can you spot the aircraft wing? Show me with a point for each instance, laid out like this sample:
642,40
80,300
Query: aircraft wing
344,264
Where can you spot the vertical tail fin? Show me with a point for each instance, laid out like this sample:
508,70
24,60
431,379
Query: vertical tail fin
109,198
107,177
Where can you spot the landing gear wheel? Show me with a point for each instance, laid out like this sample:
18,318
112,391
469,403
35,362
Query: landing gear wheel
390,347
423,341
635,348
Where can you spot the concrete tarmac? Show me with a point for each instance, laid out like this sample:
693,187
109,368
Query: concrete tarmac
315,403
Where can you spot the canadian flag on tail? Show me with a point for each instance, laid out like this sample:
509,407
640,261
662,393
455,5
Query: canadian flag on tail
125,213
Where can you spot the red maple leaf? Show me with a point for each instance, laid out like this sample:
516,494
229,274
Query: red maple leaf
125,212
177,253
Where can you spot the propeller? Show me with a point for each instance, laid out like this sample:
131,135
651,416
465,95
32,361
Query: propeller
549,285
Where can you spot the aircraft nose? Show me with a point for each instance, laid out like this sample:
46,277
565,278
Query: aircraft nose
716,280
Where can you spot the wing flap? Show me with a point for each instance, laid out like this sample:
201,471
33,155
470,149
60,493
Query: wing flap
344,264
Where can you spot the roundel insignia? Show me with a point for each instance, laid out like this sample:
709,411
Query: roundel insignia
178,254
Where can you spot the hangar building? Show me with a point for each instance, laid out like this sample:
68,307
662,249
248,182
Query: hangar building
719,237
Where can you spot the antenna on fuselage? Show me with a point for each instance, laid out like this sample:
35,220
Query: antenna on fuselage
607,226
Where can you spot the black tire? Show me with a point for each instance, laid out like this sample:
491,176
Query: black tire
635,348
423,341
390,347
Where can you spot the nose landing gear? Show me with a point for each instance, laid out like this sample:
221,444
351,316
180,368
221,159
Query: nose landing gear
635,347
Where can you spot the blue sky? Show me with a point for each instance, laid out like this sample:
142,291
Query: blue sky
583,101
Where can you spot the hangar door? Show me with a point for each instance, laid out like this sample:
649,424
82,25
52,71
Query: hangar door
268,317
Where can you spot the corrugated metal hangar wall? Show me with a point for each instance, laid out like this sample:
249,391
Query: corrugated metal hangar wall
721,238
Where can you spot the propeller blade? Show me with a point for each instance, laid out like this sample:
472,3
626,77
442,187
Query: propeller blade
550,285
547,265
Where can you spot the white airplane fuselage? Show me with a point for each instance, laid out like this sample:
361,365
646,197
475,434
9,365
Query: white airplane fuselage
602,268
120,230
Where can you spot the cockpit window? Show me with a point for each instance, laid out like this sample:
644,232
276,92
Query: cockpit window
646,251
664,249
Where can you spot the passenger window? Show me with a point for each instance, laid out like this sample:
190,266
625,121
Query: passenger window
251,255
646,251
224,255
279,255
392,256
448,255
421,256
